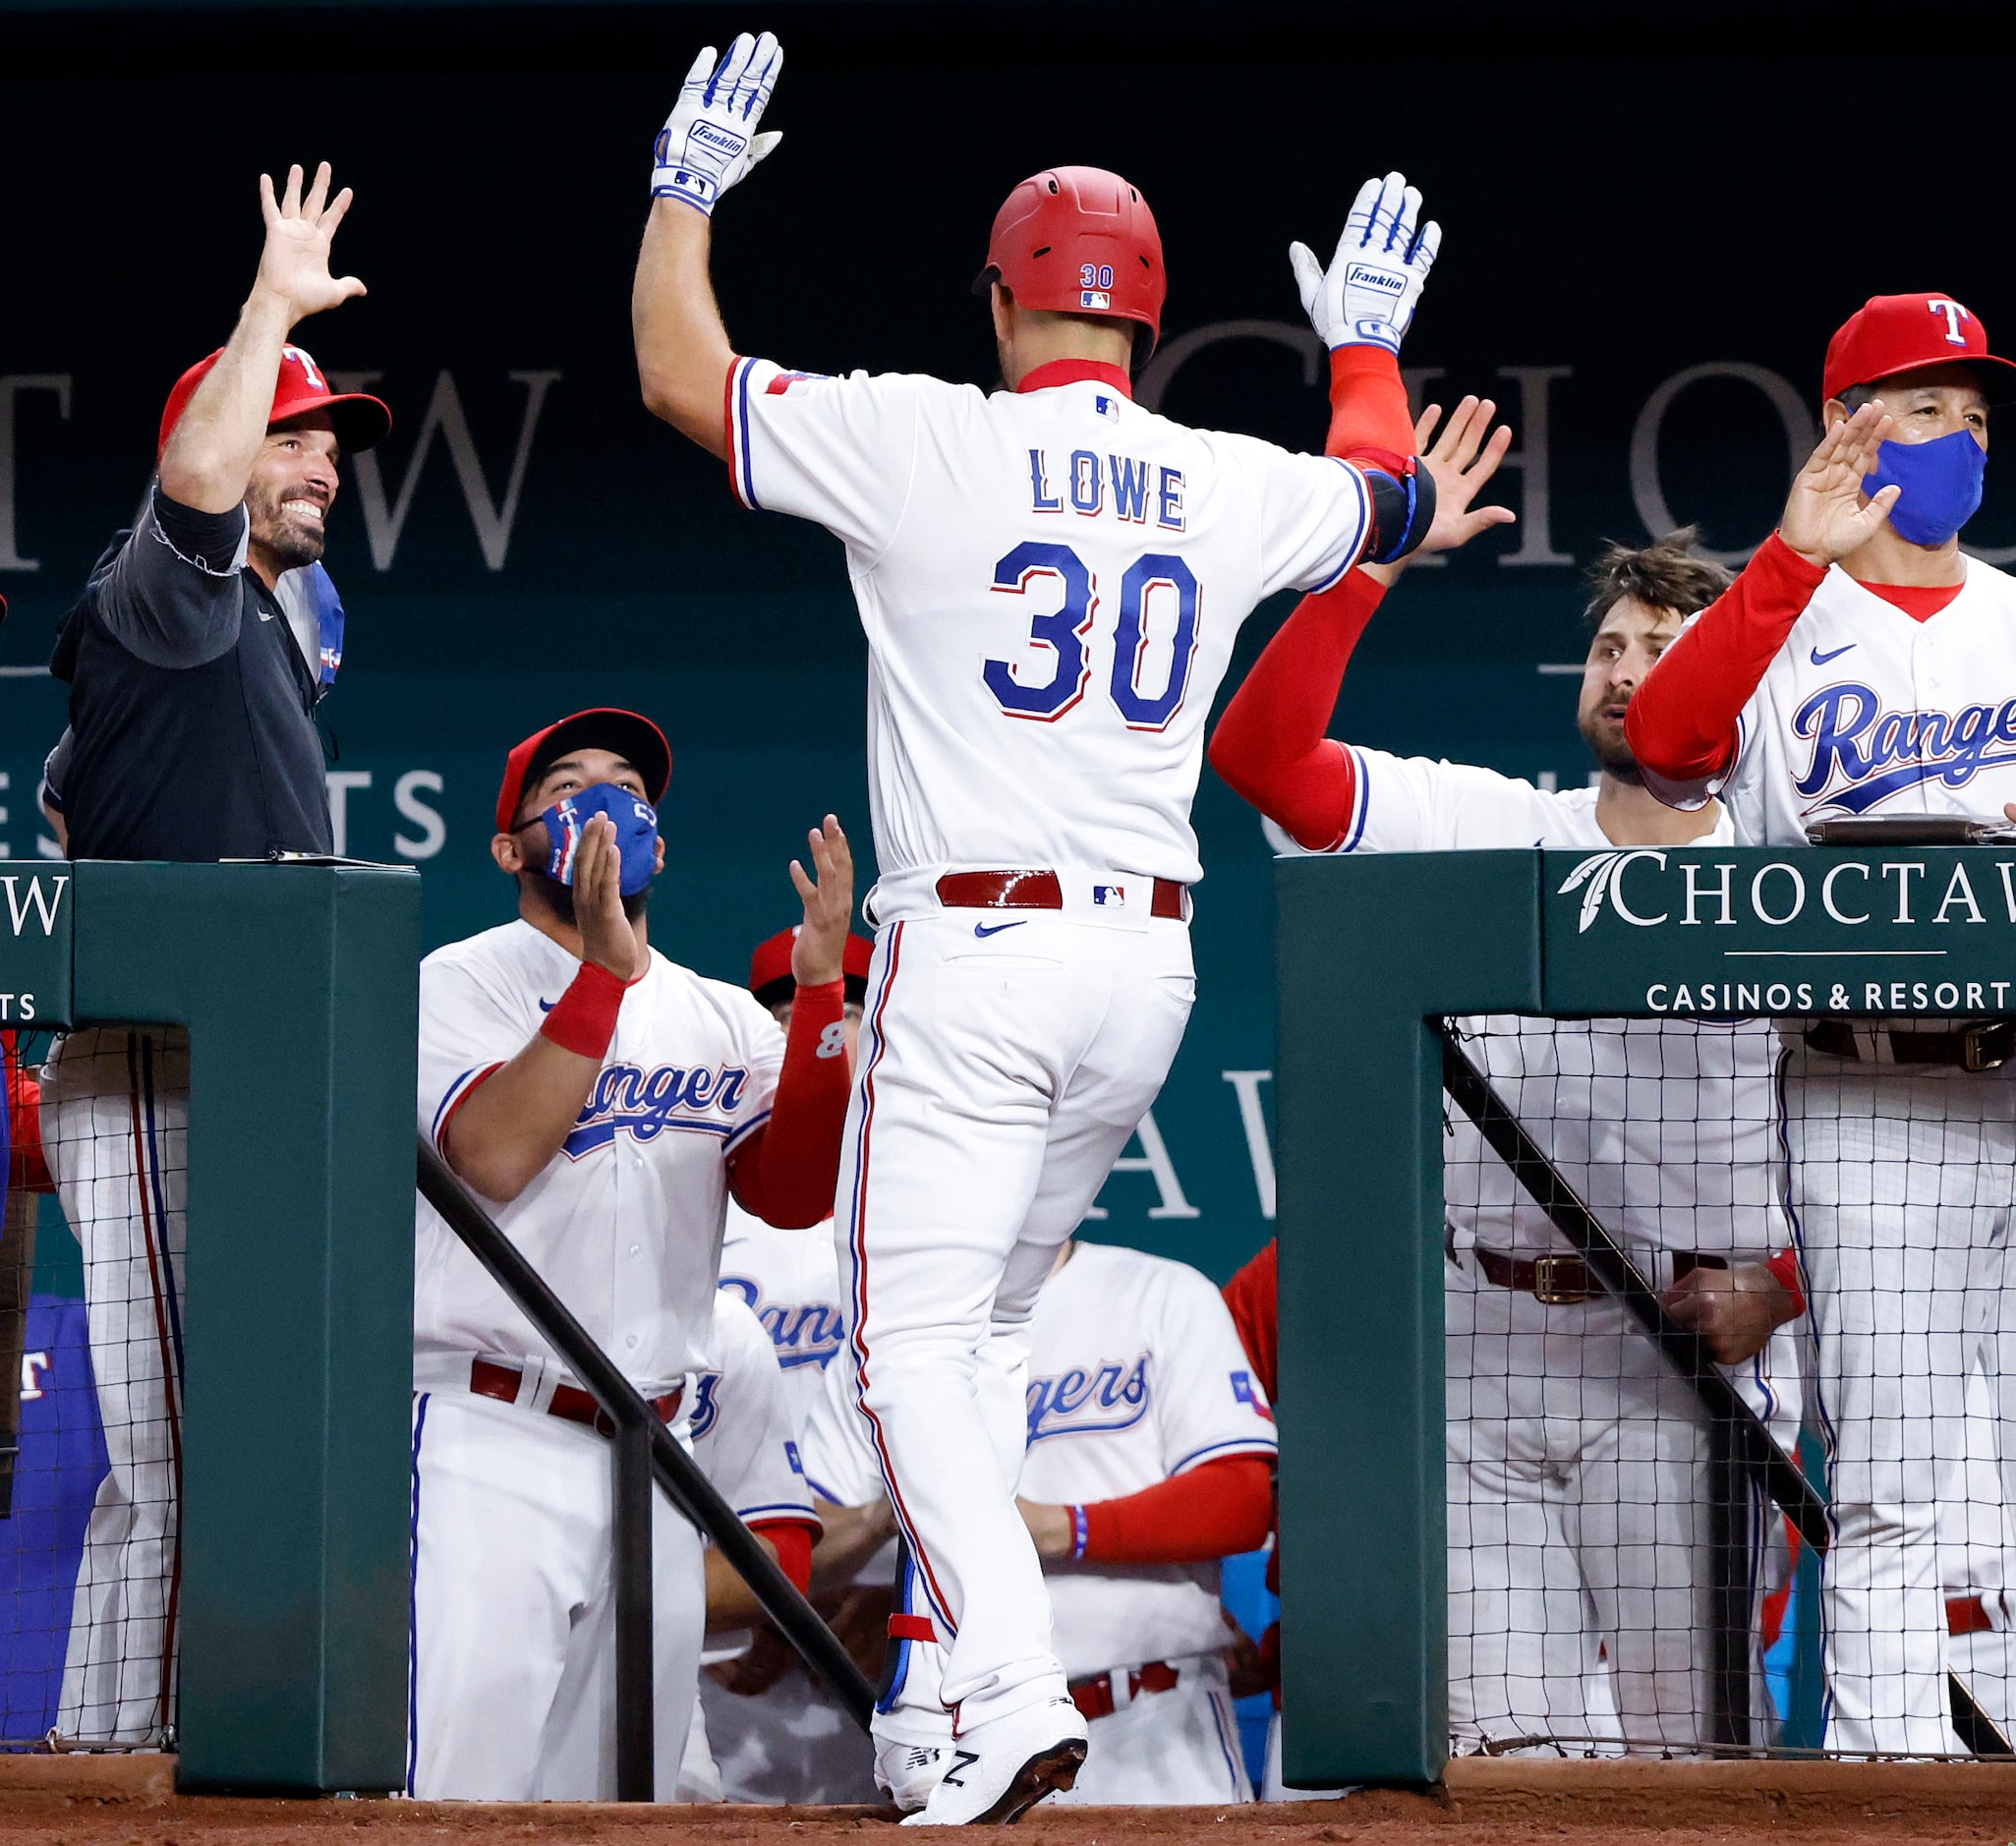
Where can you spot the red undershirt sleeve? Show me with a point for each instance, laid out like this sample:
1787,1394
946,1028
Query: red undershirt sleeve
793,1540
27,1170
1369,421
785,1172
1269,745
1216,1510
1682,723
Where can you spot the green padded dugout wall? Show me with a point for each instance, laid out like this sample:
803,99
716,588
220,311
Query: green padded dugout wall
1367,950
298,985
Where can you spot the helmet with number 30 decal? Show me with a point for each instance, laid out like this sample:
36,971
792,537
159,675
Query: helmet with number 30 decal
1081,241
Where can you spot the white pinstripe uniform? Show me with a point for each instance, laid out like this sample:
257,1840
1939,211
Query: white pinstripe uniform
115,1127
1050,583
1903,1177
1568,1434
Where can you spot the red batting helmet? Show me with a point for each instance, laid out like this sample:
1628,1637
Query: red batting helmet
359,419
1080,240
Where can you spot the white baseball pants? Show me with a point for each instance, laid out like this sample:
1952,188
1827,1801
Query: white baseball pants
115,1123
1175,1749
1579,1518
513,1621
1006,1057
1902,1182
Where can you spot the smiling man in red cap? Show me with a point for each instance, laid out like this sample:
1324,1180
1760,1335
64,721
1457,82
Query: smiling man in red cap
607,1103
196,657
206,635
1863,665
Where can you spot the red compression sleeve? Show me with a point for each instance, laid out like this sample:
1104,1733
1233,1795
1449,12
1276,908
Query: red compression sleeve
785,1172
1368,414
584,1018
1214,1511
1255,1298
793,1539
1270,746
1680,723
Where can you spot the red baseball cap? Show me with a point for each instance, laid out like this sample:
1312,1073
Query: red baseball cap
360,421
770,967
636,740
1893,334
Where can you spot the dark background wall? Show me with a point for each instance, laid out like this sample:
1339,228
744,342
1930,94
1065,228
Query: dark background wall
1614,215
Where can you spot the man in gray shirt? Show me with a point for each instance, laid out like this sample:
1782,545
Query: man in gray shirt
205,636
196,657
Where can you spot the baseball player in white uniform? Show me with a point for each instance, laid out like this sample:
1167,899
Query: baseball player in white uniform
1977,1543
1570,1435
1150,1449
1862,665
1051,580
605,1101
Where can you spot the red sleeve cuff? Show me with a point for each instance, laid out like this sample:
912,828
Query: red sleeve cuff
1215,1510
584,1018
793,1539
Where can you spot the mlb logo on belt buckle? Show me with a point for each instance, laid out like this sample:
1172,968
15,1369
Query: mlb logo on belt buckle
1103,896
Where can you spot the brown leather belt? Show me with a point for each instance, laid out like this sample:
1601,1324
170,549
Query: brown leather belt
1094,1696
1552,1281
1039,891
1967,1615
575,1405
1986,1045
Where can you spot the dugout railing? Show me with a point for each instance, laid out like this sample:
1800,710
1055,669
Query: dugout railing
1375,957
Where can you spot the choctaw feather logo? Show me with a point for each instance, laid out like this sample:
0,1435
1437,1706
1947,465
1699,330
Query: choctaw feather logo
1600,871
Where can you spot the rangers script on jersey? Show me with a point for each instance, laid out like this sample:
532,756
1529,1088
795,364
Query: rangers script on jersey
1050,582
1866,712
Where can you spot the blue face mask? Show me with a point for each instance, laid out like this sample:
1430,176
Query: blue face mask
1942,482
636,832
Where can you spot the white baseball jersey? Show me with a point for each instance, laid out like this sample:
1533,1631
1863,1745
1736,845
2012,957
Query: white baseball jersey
743,1427
1050,583
1866,711
791,1281
625,1222
1665,1129
1135,1374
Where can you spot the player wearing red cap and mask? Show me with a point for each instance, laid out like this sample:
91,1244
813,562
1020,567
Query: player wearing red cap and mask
1862,665
196,657
1051,579
607,1103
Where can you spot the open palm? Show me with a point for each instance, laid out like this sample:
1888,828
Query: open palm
295,263
1826,516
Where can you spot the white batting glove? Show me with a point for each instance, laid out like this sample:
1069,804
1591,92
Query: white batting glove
1368,295
710,140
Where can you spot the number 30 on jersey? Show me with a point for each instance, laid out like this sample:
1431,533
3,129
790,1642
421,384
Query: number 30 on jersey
1063,633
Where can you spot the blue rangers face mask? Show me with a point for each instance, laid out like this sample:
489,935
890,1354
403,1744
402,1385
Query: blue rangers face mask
636,833
1941,482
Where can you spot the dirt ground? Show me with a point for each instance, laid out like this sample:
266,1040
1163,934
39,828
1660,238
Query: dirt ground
131,1801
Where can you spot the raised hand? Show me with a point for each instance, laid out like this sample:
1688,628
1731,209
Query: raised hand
1826,516
1368,294
819,955
608,936
710,140
1461,458
294,267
